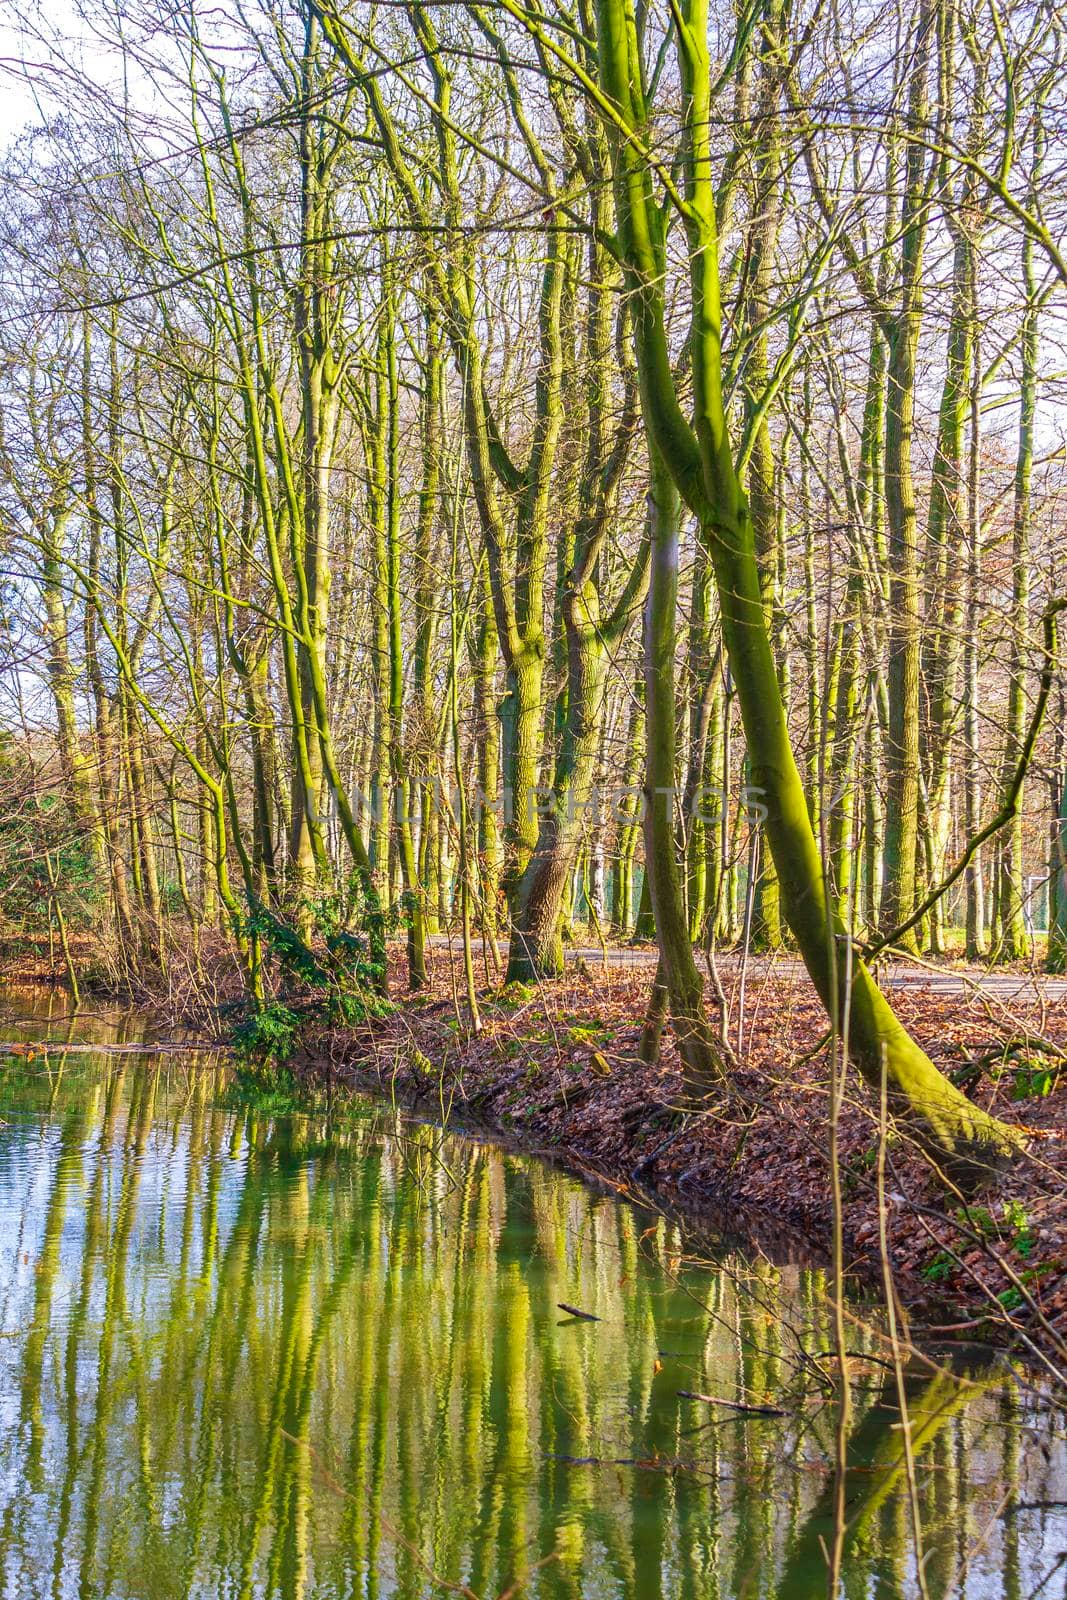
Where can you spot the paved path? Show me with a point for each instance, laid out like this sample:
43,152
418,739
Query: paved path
894,975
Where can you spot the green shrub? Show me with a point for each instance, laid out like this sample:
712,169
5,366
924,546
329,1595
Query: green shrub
331,980
940,1269
1033,1081
264,1043
1023,1237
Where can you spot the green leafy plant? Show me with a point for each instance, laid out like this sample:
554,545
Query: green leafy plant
1032,1081
263,1043
586,1033
1018,1219
940,1269
513,996
979,1219
328,977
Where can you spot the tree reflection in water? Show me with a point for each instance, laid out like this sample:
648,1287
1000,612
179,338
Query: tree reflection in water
250,1356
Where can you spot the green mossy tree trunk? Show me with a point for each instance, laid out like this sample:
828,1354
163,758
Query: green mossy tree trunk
487,738
677,969
1056,960
902,329
591,625
947,577
766,932
628,818
1011,939
700,463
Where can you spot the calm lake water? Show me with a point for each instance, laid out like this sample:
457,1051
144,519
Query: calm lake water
324,1356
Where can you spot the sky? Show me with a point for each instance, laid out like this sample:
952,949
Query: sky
17,103
22,102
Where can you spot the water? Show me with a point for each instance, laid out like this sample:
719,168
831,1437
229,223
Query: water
301,1356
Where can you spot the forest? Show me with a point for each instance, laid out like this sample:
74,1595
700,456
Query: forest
533,553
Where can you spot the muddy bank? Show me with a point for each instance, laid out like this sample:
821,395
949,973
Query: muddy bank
555,1069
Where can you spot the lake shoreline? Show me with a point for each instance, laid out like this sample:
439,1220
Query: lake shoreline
555,1073
558,1075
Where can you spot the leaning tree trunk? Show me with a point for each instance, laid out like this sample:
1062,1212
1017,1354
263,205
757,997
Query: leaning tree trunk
700,462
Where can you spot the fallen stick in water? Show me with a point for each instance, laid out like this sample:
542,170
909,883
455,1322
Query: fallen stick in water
733,1405
39,1047
573,1311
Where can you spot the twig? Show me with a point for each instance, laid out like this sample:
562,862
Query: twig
734,1405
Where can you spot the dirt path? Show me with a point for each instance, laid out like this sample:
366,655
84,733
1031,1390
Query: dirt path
954,980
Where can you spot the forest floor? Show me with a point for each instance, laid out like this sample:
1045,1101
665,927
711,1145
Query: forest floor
555,1070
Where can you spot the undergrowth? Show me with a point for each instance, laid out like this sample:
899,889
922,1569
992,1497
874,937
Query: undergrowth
324,976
